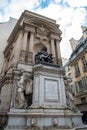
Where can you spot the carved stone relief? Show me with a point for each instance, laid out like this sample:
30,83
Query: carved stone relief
24,88
42,33
70,99
41,30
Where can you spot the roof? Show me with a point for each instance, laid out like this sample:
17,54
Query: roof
80,48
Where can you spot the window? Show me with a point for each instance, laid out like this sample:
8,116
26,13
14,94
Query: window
84,82
77,71
81,87
84,62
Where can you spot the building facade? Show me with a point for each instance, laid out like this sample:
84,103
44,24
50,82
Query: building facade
78,66
32,89
22,42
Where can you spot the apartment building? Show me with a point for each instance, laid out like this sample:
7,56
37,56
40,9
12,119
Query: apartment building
78,67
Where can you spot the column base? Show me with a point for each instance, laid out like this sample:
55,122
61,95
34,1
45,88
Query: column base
59,62
22,56
30,58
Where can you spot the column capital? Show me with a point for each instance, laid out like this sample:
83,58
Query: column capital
55,37
29,29
59,40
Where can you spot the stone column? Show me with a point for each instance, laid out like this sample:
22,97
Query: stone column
18,45
59,61
53,50
24,46
31,43
25,38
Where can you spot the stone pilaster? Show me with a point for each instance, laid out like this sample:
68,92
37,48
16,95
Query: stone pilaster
30,50
31,42
18,46
24,46
25,40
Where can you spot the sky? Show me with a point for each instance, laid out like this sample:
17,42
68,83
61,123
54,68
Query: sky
69,14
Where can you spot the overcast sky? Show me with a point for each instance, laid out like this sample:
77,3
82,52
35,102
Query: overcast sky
69,14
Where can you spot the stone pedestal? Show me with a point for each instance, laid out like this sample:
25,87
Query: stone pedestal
48,110
48,89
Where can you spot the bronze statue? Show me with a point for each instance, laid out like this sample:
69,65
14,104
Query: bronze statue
43,56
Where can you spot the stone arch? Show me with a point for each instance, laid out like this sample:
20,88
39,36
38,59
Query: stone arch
52,26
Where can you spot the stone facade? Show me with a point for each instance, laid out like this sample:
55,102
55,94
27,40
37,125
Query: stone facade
33,95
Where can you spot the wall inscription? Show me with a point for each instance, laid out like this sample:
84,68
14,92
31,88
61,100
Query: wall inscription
51,90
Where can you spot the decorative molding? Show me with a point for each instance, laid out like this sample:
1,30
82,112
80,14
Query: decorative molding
48,68
30,29
55,36
41,30
79,56
33,122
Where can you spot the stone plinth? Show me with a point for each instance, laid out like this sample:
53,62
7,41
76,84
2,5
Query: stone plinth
48,110
42,119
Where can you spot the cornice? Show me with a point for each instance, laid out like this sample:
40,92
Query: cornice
33,17
71,62
32,14
48,69
27,15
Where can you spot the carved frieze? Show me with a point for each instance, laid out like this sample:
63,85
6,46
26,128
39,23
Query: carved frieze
41,30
